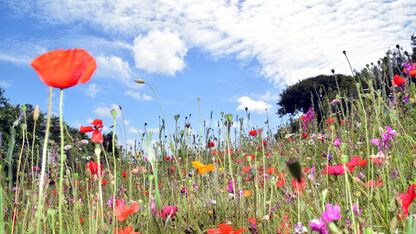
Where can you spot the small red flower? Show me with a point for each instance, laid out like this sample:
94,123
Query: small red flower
330,120
253,133
280,180
356,161
64,68
305,135
399,81
299,186
104,182
225,229
334,169
123,173
211,144
93,167
97,136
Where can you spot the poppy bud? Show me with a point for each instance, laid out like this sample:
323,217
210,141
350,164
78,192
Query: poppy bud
114,113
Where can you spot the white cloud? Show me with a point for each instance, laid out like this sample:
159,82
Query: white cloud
104,111
115,68
256,106
92,90
138,96
289,40
160,52
5,83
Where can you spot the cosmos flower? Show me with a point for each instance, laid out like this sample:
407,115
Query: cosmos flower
202,168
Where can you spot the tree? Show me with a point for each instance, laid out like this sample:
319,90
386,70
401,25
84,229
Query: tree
311,91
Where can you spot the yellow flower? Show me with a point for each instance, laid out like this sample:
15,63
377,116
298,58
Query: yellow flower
202,168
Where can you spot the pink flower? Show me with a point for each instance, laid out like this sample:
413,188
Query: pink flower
168,211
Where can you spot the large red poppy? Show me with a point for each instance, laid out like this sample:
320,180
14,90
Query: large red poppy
407,199
64,68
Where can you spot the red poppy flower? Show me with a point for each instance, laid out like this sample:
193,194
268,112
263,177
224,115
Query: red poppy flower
246,169
305,135
97,136
330,120
168,211
104,182
123,173
356,161
126,230
225,229
299,186
211,144
372,183
399,81
253,133
407,199
64,68
280,180
123,211
93,167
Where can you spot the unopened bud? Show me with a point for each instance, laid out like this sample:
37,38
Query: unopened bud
114,113
97,150
36,113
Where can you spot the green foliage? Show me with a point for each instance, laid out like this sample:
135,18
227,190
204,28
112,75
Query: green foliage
310,93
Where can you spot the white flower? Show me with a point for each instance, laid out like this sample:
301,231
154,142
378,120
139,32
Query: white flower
67,147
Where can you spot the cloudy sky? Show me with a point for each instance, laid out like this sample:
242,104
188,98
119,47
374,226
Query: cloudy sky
231,54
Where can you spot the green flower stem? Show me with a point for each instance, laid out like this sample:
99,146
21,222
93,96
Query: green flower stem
62,162
115,168
39,210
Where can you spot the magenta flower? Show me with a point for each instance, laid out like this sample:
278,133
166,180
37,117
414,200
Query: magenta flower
337,142
307,118
168,211
331,213
230,188
318,225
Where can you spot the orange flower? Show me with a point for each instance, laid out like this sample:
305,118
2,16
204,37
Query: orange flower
126,230
123,211
225,229
64,68
202,168
247,193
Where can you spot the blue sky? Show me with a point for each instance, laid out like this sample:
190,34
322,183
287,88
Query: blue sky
230,54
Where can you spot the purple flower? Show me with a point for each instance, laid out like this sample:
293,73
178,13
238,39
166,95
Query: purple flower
406,99
299,228
331,213
357,210
318,225
386,137
337,142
